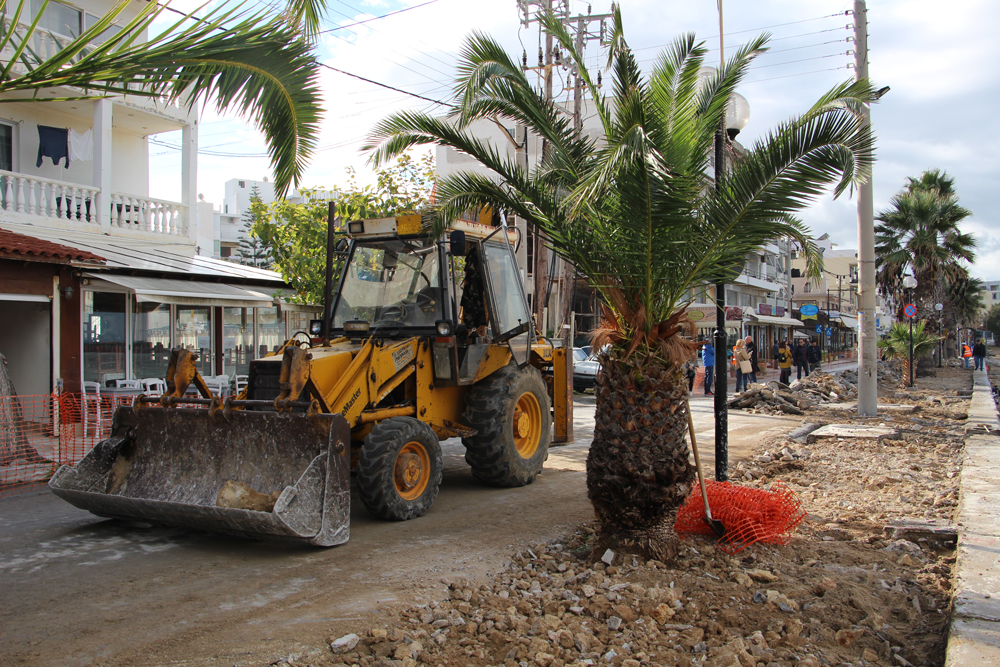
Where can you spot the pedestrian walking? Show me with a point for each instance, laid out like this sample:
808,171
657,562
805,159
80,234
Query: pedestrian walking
979,352
690,373
799,359
966,354
741,359
752,351
814,356
708,359
784,362
775,351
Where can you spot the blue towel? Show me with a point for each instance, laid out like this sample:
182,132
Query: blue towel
54,143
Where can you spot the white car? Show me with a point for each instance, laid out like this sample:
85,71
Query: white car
585,373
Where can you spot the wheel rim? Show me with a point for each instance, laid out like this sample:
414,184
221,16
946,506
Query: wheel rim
527,425
412,470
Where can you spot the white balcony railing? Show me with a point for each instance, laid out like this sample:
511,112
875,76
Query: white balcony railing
47,198
60,201
147,214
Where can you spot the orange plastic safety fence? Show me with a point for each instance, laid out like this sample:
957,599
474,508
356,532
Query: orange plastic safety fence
42,432
749,515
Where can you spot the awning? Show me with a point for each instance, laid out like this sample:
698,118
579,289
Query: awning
188,293
779,321
39,298
849,322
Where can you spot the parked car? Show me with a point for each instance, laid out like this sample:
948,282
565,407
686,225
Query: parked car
580,354
585,373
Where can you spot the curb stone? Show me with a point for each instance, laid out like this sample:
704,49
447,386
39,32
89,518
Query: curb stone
974,637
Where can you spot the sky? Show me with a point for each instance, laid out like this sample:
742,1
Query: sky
934,57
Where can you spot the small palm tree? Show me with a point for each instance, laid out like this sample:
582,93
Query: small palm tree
896,345
919,232
254,63
632,211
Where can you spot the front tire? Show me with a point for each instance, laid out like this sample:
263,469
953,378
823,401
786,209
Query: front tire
399,469
512,414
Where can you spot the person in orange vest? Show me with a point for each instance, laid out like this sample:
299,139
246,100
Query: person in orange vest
966,354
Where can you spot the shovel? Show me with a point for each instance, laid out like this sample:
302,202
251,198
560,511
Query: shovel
714,524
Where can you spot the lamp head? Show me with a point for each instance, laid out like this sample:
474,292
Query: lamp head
909,282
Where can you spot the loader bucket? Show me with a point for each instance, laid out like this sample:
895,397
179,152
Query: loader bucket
168,466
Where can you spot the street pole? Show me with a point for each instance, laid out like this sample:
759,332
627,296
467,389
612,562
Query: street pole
911,351
721,360
867,337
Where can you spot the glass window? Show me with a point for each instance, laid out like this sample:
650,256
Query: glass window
103,337
58,18
237,340
150,339
89,20
511,311
270,331
194,332
392,283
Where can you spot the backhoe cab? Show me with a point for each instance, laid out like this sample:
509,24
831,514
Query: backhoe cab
428,338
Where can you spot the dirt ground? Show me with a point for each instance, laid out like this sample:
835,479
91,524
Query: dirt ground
864,581
76,589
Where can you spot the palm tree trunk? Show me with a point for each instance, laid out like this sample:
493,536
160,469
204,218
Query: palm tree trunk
638,469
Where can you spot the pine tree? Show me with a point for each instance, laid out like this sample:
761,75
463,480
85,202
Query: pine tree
253,252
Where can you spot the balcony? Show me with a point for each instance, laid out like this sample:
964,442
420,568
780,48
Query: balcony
33,200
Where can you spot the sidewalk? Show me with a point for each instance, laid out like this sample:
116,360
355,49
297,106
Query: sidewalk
974,638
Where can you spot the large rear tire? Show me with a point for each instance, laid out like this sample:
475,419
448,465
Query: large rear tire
511,411
399,469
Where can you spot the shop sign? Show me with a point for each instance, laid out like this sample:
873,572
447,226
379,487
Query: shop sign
779,311
764,309
734,313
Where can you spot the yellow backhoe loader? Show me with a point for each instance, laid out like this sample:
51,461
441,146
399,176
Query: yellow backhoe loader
423,339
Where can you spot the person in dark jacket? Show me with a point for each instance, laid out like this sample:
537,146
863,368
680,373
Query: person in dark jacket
784,357
979,352
814,356
708,359
799,359
775,351
752,351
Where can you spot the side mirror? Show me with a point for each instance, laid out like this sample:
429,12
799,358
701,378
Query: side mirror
341,245
457,241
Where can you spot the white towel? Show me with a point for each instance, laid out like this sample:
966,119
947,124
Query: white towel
81,146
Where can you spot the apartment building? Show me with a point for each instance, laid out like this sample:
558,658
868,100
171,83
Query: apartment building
102,278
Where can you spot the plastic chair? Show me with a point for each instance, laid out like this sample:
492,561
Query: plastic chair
153,386
92,397
240,383
127,384
219,384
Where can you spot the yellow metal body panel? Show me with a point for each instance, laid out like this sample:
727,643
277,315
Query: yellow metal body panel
408,224
562,395
390,365
497,356
349,396
437,406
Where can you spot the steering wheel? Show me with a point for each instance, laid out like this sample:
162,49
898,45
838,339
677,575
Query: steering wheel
307,343
396,313
422,300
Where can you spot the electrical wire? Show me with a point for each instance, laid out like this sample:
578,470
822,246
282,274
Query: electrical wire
787,76
801,60
383,85
374,18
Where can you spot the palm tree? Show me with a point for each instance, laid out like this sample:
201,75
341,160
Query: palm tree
897,344
254,63
919,233
632,212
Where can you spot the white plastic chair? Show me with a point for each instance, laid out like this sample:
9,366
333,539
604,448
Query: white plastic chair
92,397
219,384
240,383
127,384
153,386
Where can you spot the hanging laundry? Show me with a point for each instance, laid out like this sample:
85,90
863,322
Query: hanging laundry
54,143
81,146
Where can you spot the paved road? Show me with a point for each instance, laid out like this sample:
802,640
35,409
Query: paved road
81,590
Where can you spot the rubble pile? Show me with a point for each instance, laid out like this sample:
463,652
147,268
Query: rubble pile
774,397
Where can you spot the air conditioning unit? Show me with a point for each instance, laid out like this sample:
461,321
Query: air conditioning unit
796,273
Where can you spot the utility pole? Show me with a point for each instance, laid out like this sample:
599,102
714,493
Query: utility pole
867,337
547,62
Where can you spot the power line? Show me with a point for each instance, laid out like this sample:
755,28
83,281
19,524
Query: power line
788,76
375,18
778,25
383,85
801,60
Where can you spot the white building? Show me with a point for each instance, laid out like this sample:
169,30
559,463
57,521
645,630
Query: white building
103,279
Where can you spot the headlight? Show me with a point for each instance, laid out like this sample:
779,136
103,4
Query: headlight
443,327
356,327
357,227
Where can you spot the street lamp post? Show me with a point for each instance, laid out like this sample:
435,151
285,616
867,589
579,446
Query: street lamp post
939,307
910,284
